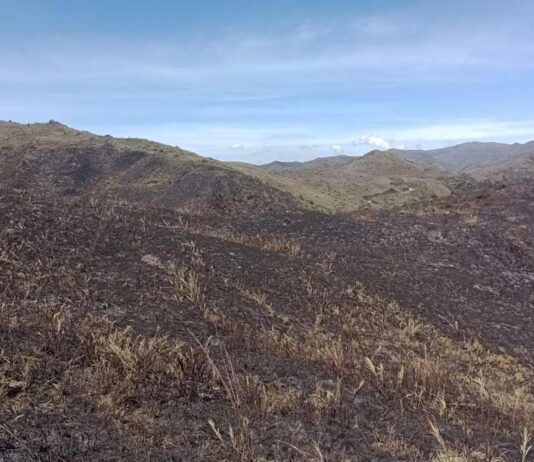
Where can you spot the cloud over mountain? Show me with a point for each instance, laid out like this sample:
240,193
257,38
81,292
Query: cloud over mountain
375,141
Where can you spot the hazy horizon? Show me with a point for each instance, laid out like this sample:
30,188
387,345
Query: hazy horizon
287,81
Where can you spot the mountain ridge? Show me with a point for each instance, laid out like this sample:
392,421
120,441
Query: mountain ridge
55,158
506,151
464,157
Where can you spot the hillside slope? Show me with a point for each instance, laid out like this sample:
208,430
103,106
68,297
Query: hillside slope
467,157
343,183
54,159
518,169
136,333
320,162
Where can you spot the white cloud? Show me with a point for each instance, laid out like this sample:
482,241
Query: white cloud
375,141
338,149
237,147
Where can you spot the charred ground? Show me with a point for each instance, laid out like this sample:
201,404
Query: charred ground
133,332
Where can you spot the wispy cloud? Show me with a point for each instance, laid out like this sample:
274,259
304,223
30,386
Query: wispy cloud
468,130
423,46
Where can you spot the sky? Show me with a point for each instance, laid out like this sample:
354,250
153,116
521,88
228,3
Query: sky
258,81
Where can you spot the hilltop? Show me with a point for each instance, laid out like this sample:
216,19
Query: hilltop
57,160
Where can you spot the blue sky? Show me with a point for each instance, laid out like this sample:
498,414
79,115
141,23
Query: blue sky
258,81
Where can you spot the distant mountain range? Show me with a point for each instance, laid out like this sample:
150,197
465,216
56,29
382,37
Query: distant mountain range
470,157
344,183
54,159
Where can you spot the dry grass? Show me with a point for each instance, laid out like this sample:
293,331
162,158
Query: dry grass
471,221
186,284
376,349
63,363
276,244
308,369
413,366
404,360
